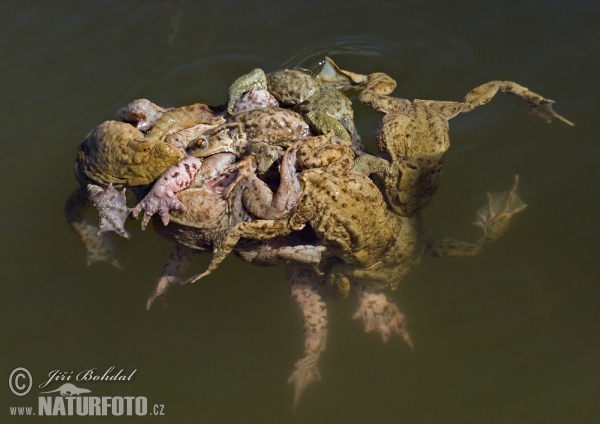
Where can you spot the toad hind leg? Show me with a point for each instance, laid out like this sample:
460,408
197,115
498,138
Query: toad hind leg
378,313
493,218
179,261
304,291
255,230
479,96
259,199
531,101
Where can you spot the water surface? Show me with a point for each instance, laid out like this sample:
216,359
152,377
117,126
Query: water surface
508,336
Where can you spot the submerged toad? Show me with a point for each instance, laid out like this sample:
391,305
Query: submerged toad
337,230
369,248
209,198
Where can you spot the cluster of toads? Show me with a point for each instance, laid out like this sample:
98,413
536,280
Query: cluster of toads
279,175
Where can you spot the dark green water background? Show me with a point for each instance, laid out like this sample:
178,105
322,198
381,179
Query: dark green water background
510,336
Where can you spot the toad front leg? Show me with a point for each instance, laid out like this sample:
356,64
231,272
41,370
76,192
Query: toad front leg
281,250
99,247
303,287
161,198
255,230
112,208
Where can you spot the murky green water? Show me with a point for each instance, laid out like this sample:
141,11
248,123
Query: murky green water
510,336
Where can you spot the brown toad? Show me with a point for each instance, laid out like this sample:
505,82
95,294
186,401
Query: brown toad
307,93
413,135
119,154
262,130
206,199
335,201
369,248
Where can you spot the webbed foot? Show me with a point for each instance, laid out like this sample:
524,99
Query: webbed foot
161,198
112,208
496,215
179,261
379,314
533,102
340,79
305,373
99,247
543,109
303,286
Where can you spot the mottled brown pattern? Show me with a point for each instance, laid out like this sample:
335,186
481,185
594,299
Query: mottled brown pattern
115,152
380,314
413,135
273,125
304,290
291,87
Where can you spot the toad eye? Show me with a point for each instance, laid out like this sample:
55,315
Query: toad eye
202,143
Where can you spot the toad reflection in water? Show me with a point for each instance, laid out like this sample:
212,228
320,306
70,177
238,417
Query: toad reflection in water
340,219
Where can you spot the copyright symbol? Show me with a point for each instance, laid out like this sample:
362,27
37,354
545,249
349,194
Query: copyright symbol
20,381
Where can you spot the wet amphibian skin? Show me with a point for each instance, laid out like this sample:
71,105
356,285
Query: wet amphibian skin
341,220
116,152
344,208
263,130
413,135
200,201
369,247
305,92
249,92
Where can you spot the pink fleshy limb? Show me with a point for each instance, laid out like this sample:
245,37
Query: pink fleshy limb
161,198
378,313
